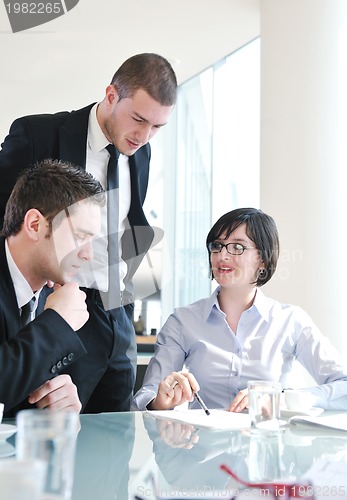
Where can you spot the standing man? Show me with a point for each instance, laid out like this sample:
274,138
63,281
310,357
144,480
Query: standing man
52,215
137,104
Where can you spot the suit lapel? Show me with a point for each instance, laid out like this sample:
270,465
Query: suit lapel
73,137
8,300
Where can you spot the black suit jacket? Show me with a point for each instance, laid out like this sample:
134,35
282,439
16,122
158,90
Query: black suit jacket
105,375
63,136
30,356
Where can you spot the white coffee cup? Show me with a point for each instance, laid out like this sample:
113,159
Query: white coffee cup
298,399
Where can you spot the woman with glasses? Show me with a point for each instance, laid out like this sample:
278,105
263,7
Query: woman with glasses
217,344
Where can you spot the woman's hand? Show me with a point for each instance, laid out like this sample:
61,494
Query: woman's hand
240,402
174,390
177,435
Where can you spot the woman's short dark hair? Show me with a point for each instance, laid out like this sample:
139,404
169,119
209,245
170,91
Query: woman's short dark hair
260,228
149,72
50,186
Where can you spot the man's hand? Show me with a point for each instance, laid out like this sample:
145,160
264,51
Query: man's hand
175,389
70,302
59,393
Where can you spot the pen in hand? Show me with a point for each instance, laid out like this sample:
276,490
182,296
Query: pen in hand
201,403
197,397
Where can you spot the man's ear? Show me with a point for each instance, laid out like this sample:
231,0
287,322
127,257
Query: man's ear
34,223
111,95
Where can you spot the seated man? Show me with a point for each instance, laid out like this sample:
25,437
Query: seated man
51,218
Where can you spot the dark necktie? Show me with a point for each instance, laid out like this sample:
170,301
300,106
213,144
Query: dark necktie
113,296
26,311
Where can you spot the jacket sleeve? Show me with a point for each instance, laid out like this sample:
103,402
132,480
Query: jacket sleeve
36,354
16,153
30,139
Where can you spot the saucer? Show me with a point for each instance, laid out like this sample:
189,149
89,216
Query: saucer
6,449
6,431
310,412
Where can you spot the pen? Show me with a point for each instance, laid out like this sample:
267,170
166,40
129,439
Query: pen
197,397
201,403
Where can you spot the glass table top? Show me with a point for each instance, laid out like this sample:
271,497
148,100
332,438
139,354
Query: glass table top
127,455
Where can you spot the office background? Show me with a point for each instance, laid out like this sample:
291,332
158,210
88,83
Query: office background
261,120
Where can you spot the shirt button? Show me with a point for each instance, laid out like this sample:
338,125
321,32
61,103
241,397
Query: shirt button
65,361
70,356
59,365
53,369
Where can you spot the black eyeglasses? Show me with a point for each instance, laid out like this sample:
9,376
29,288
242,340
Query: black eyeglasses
232,248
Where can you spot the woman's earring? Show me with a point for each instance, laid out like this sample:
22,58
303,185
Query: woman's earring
262,273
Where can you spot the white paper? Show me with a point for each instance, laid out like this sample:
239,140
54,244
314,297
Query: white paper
218,419
336,421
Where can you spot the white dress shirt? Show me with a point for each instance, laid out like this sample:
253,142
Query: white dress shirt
95,273
22,288
269,337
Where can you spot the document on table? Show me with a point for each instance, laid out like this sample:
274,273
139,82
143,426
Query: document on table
336,421
218,419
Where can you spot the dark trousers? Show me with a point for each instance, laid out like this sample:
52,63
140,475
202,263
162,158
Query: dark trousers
111,359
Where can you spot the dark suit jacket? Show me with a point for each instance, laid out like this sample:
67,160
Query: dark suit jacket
30,356
105,376
63,136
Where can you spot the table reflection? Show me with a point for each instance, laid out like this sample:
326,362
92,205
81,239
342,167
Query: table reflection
191,461
104,447
184,458
189,458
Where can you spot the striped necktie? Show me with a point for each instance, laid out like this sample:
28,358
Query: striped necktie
26,311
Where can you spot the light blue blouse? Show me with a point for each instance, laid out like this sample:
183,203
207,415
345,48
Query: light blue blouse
269,337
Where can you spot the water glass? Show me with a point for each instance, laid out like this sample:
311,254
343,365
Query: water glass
264,404
51,437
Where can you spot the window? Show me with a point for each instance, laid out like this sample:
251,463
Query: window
207,161
217,162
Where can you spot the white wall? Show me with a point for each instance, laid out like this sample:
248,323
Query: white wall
68,62
302,147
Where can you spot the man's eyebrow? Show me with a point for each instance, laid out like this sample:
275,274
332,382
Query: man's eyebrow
142,118
75,230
